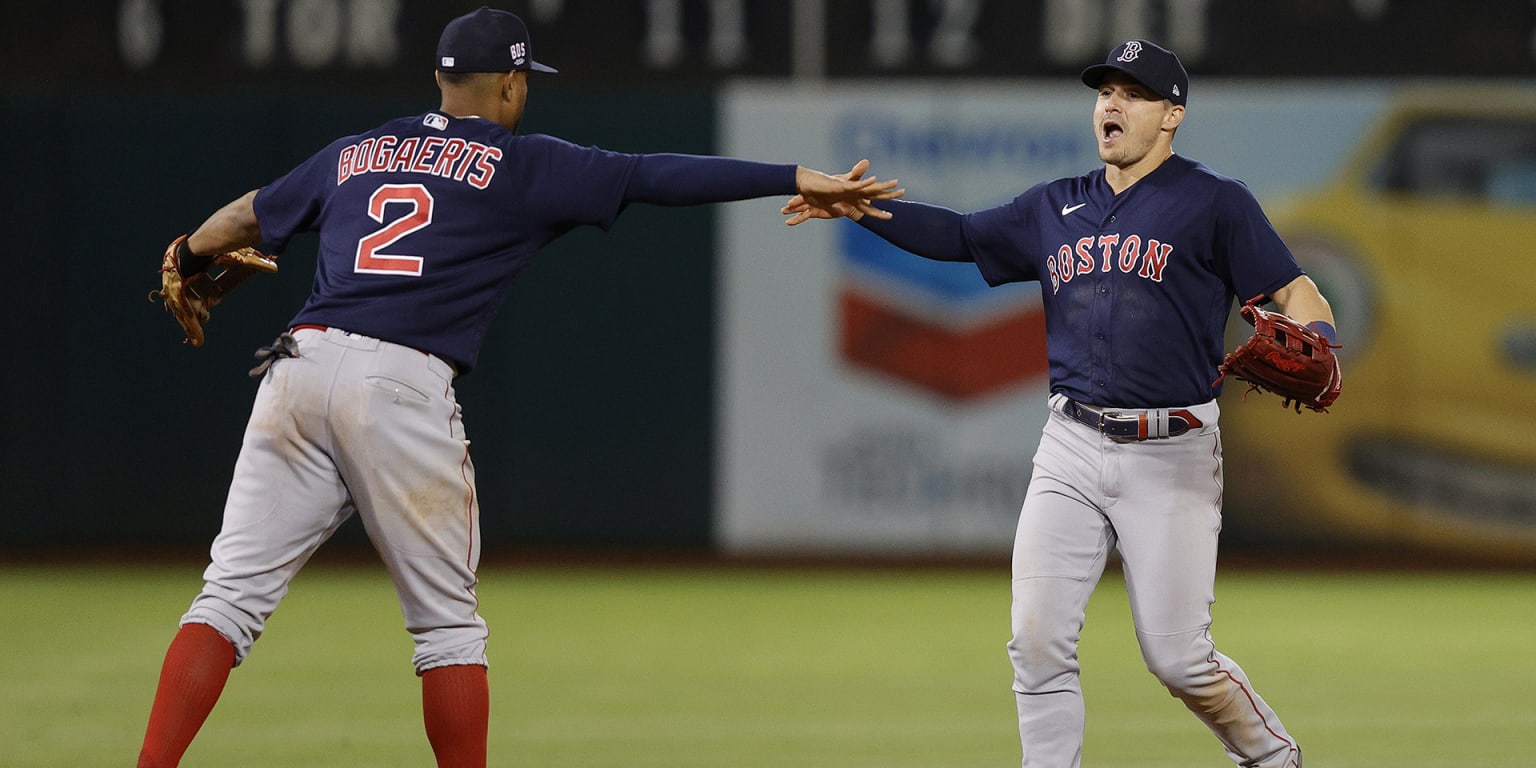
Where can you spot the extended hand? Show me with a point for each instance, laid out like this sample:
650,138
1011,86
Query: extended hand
848,194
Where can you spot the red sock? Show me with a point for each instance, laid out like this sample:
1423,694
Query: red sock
456,706
196,667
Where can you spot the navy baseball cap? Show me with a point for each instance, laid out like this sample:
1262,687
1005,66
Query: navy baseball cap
1150,64
487,40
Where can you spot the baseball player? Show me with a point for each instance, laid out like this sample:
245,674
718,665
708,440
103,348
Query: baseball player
1138,264
424,222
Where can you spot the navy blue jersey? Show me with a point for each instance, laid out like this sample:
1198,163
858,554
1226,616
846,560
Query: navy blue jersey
1136,287
426,221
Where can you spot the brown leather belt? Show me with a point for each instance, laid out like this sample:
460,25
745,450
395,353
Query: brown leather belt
1135,425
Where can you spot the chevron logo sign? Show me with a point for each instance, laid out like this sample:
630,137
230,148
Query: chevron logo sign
935,326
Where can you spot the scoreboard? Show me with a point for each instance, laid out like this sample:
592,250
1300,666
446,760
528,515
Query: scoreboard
644,43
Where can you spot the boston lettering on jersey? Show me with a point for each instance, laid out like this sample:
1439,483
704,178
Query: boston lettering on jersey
450,158
1069,261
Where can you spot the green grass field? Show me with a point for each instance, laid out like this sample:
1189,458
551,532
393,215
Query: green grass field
766,668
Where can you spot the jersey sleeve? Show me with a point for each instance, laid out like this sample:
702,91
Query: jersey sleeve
997,240
572,186
292,204
1258,261
671,179
991,238
931,231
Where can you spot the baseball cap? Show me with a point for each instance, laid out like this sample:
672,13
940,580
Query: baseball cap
487,40
1150,64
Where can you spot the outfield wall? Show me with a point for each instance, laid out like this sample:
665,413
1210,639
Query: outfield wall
698,378
590,410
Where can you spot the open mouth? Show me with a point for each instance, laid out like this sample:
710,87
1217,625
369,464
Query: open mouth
1110,130
1451,485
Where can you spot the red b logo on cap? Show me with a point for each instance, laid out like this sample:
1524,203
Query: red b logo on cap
1132,50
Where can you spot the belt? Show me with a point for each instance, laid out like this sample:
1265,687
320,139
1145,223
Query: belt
1135,425
323,328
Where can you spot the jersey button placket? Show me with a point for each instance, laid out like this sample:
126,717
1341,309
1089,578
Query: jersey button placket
1100,320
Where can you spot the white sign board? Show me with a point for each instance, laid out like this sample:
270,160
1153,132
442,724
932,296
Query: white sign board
874,401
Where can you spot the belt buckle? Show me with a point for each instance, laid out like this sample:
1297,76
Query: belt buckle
1085,414
1090,416
1118,417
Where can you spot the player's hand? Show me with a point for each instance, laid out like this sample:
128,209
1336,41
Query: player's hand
800,211
850,194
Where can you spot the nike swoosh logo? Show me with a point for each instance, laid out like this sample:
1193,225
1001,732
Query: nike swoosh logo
1066,209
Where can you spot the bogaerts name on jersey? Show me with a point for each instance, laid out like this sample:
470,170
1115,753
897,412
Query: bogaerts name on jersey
451,158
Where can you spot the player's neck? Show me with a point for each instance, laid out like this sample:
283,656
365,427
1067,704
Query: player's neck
1120,178
461,109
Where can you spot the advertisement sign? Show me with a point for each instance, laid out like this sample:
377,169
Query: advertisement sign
872,400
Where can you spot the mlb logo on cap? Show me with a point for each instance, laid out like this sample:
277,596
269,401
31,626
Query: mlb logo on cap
487,40
1148,63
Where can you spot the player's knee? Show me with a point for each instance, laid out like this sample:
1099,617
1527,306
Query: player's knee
1047,620
1179,662
1041,663
1176,675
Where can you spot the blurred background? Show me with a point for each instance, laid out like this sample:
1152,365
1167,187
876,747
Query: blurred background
705,381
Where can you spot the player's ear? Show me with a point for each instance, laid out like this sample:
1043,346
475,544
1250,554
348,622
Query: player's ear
1173,117
510,85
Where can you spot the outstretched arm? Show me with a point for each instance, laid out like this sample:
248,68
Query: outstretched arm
930,231
671,179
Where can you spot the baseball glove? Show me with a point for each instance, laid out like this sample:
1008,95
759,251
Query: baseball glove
191,289
1286,358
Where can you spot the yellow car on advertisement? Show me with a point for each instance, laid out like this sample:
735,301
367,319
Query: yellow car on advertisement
1425,245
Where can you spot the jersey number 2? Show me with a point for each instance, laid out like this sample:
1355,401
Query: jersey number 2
415,202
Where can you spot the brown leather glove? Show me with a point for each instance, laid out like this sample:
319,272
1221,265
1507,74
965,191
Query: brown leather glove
191,286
